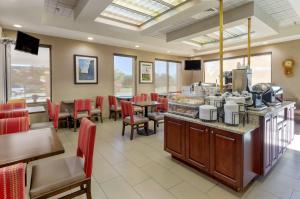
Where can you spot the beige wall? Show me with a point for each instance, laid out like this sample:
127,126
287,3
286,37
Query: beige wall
280,52
62,50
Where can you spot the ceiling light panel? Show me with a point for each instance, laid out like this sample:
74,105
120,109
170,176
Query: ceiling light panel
138,12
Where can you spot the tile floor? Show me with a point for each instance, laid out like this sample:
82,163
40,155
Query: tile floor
125,169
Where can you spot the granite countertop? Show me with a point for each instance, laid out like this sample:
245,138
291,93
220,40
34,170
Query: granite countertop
218,125
272,110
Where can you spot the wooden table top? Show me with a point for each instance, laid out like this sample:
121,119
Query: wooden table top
29,146
36,109
124,97
146,103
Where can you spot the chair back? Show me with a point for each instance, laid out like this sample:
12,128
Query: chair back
12,106
56,115
12,182
154,96
12,114
99,103
86,141
144,96
127,110
50,109
163,106
138,98
113,102
81,105
14,125
17,101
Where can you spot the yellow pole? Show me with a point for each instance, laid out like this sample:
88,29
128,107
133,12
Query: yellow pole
249,42
221,44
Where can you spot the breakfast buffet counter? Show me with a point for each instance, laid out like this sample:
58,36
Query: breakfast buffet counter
233,155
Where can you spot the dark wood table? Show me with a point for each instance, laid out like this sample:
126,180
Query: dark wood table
145,105
126,98
29,146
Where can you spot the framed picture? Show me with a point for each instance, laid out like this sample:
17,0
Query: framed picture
146,72
85,69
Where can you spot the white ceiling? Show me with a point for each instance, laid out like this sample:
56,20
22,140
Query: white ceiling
75,19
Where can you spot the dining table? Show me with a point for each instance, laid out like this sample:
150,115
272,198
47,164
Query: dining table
145,105
35,109
126,98
29,146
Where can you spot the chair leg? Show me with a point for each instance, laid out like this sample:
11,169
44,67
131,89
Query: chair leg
123,129
115,115
75,125
155,126
88,190
131,134
101,118
146,128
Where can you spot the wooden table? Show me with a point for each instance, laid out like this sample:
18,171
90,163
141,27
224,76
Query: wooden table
126,98
145,105
29,146
35,109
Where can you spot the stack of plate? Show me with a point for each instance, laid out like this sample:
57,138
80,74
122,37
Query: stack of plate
208,113
231,110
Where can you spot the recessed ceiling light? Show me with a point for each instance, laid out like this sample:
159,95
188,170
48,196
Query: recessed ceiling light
90,38
17,26
137,46
168,51
265,42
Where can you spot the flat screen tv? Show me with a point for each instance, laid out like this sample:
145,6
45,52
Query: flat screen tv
27,43
192,65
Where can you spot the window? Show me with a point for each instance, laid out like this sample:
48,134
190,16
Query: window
167,76
124,75
29,75
260,65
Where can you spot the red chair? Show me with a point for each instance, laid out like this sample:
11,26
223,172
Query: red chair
158,116
144,96
12,182
14,125
50,110
129,118
114,108
154,96
82,109
61,175
12,114
12,106
138,98
98,110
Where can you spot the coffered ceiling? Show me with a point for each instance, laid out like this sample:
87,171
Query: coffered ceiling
179,27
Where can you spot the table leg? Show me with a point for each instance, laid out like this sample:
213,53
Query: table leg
146,111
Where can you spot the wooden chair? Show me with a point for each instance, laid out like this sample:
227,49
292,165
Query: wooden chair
138,98
52,124
12,182
144,96
114,108
14,125
158,116
154,96
62,116
82,109
63,175
129,118
12,106
12,114
98,110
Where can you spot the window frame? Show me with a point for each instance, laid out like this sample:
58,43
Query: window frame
167,61
50,74
134,72
245,56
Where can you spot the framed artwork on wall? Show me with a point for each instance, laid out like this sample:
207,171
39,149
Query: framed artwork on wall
146,72
85,69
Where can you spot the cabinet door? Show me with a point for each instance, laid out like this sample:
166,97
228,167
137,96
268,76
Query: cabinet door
275,139
226,156
174,142
291,125
280,141
267,144
197,146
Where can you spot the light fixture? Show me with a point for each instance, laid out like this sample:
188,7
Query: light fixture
168,51
265,42
90,38
17,26
137,46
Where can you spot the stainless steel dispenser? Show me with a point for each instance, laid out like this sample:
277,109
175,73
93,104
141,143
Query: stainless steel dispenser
241,79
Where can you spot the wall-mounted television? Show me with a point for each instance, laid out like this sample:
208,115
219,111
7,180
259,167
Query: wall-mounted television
27,43
192,65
